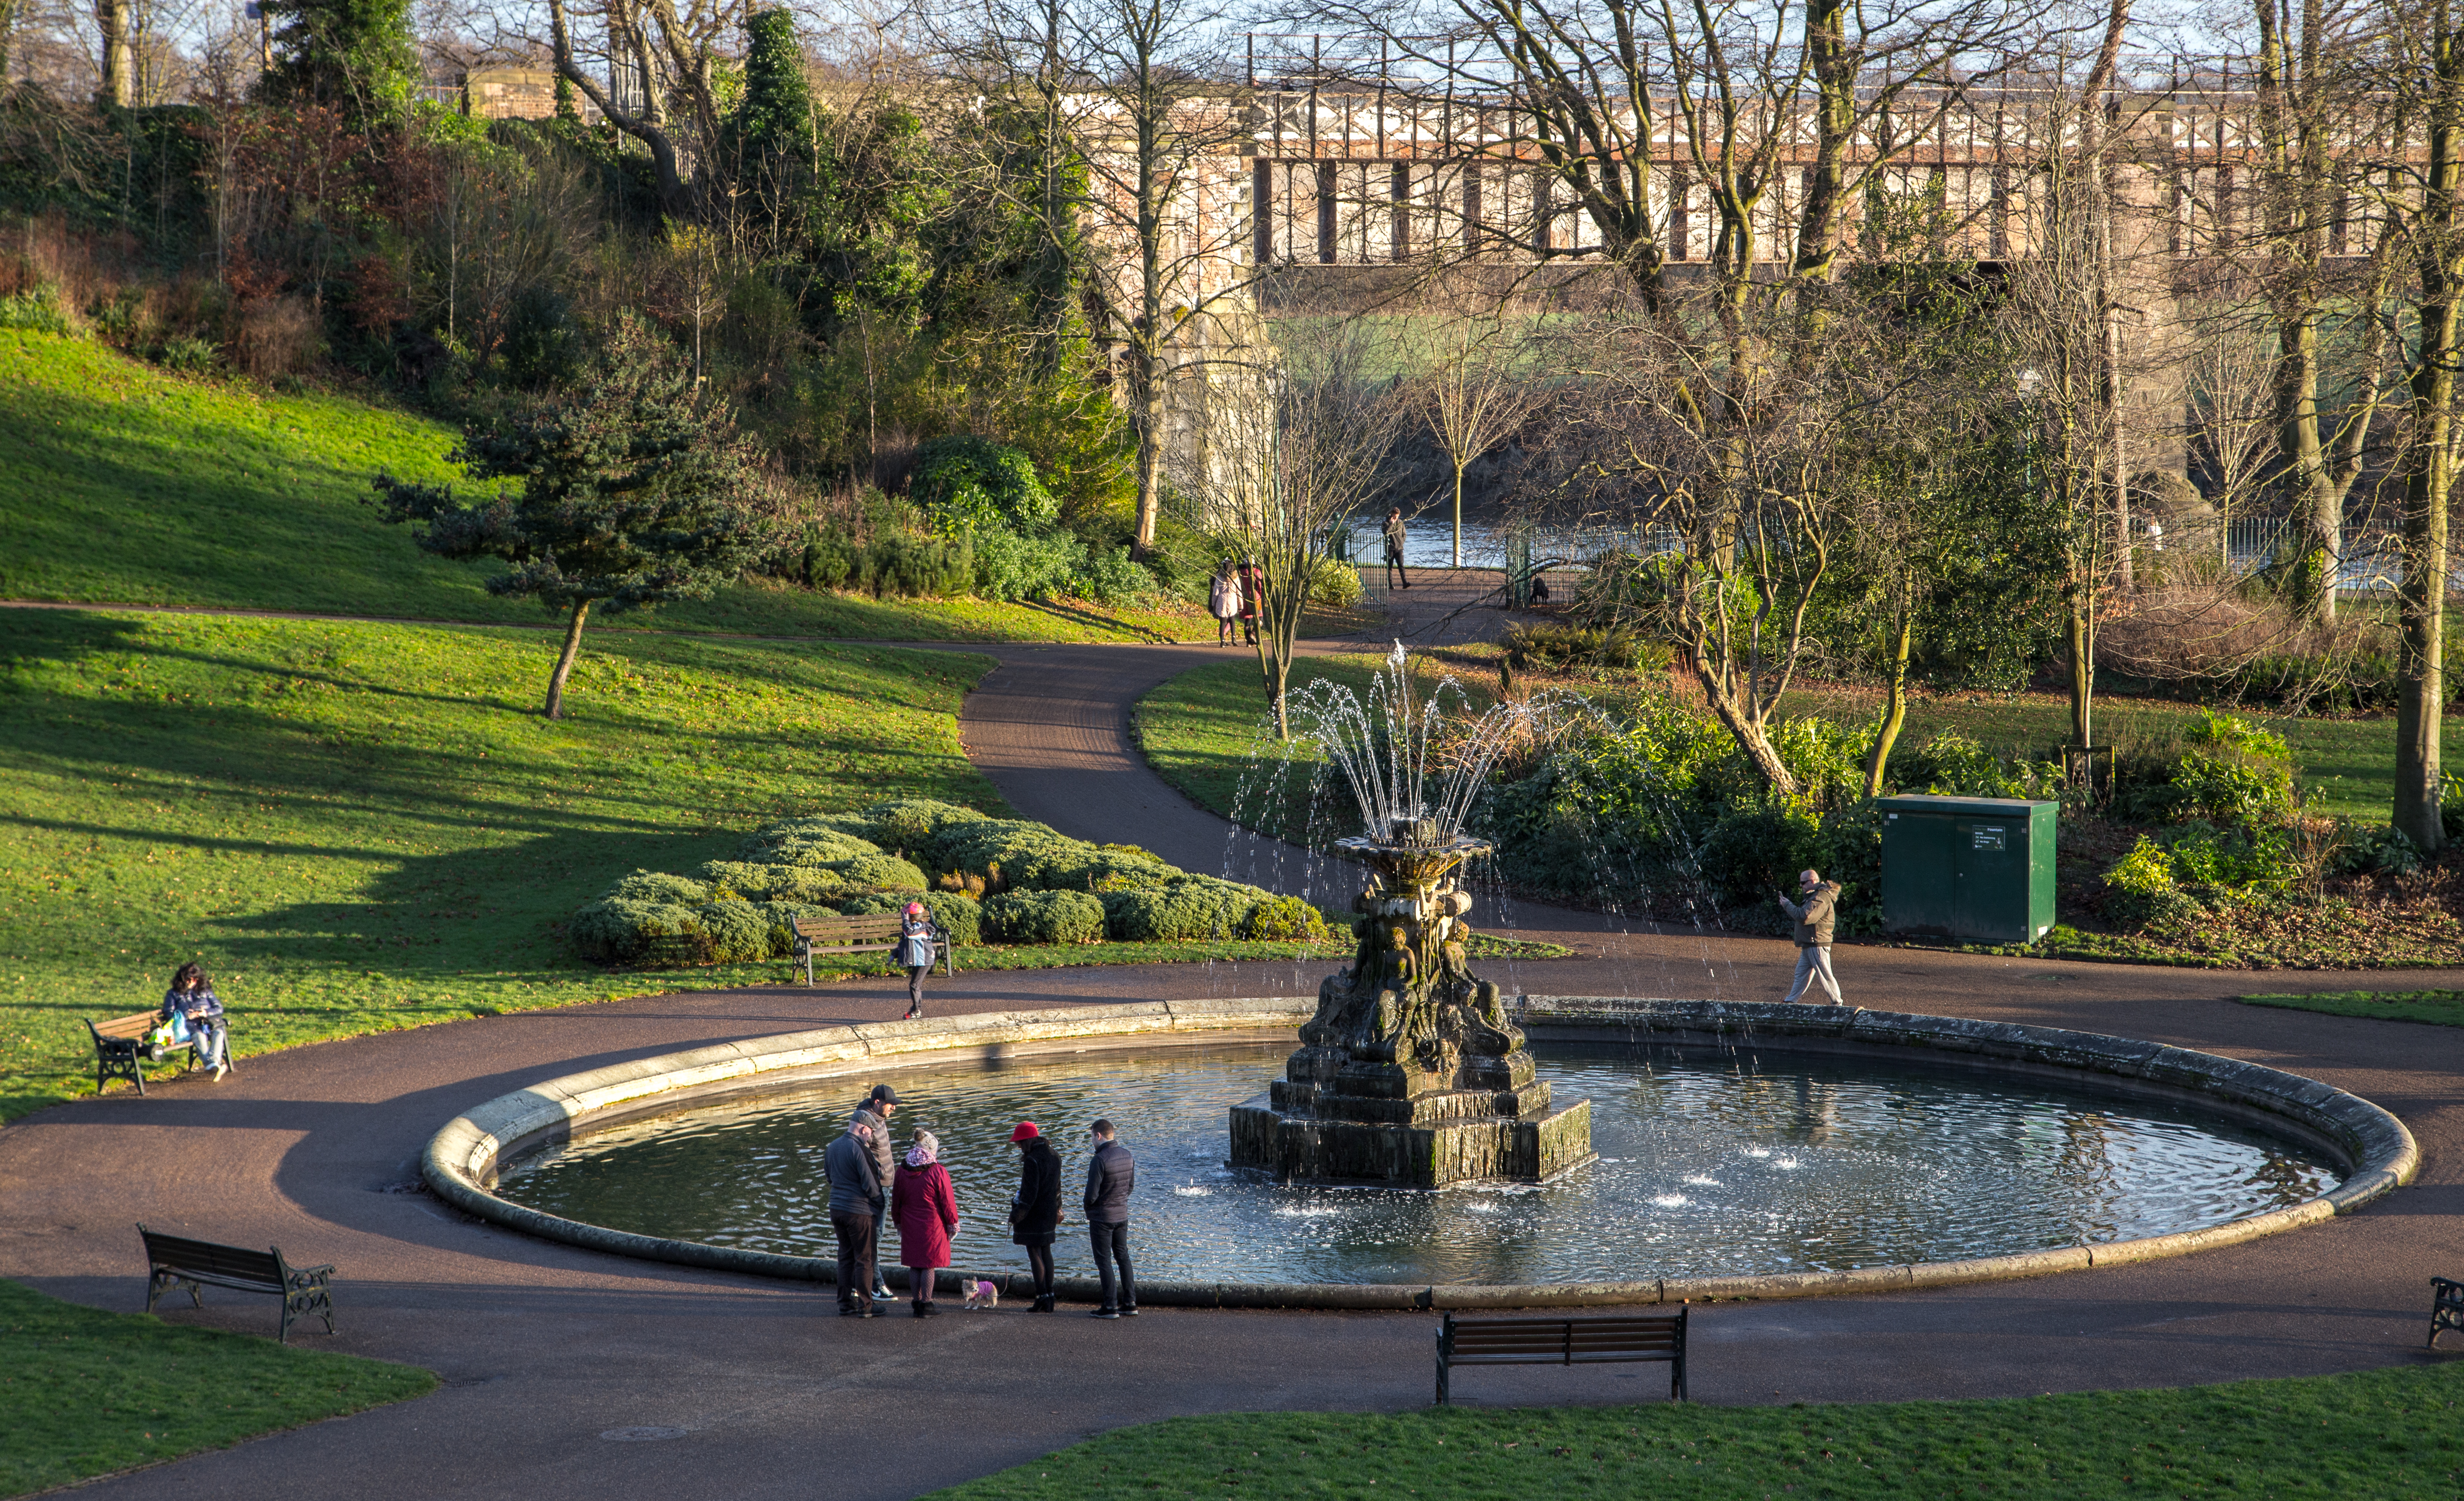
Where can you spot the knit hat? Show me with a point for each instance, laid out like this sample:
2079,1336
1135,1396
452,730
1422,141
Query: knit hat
925,1151
1026,1132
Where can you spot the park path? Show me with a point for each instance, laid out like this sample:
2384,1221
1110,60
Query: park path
546,1349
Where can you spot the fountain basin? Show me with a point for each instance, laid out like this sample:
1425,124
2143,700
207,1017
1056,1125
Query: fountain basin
2367,1145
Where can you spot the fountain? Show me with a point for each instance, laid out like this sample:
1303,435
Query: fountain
1410,1076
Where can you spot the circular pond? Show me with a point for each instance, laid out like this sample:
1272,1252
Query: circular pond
1707,1166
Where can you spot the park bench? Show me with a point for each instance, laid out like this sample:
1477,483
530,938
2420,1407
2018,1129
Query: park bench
1626,1339
119,1048
856,935
2446,1308
176,1261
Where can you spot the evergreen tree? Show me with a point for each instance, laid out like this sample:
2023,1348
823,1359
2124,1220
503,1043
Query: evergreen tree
634,493
353,55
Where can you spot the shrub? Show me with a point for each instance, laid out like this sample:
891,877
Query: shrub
2230,732
2375,850
1194,908
960,916
654,886
778,914
1111,576
1032,857
738,932
1955,766
1282,919
37,310
1575,647
2451,805
1045,916
1335,585
2141,890
874,904
1750,854
812,885
614,931
806,841
1009,566
967,483
913,826
882,872
188,356
1849,850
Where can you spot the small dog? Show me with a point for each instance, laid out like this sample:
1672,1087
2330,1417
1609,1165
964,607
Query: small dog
981,1293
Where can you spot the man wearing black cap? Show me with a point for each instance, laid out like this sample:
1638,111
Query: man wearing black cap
880,1106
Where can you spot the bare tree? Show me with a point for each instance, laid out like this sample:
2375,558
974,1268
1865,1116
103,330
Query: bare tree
1293,445
665,56
1479,393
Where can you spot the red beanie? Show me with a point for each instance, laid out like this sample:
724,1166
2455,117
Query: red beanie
1026,1132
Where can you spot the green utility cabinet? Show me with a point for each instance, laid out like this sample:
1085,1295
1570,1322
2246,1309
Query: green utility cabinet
1973,868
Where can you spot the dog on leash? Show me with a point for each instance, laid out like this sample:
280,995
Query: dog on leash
981,1293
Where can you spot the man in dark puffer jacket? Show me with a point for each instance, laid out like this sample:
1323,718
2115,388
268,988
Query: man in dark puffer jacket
1110,1174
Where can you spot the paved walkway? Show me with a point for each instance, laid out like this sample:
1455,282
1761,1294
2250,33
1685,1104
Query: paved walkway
546,1349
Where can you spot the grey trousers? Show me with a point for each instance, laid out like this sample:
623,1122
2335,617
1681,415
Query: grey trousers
1814,963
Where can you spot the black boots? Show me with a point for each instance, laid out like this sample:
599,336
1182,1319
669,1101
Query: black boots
924,1308
1043,1304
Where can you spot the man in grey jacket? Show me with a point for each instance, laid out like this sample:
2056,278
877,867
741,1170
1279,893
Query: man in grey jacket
1110,1174
855,1213
1814,919
878,1107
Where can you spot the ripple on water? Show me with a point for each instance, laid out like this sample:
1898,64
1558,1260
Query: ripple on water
1790,1165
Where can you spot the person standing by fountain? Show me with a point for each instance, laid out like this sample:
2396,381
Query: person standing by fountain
1814,921
877,1108
1110,1174
1396,534
1035,1213
855,1213
925,1211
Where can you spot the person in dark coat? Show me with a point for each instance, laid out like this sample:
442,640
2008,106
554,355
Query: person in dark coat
878,1107
1253,583
1396,535
855,1213
1035,1213
1110,1174
925,1211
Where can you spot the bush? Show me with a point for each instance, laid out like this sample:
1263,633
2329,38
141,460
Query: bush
1750,854
1045,916
1193,908
1111,576
812,885
1284,919
913,826
1031,856
188,356
613,931
1849,850
38,311
1335,585
654,887
2376,850
882,872
1009,566
966,483
808,841
1955,766
1575,647
738,932
2224,770
961,916
2141,891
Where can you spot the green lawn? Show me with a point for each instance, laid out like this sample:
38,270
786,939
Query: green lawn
2380,1435
2440,1008
85,1392
122,483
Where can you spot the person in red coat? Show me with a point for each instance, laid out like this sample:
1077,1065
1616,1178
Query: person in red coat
926,1211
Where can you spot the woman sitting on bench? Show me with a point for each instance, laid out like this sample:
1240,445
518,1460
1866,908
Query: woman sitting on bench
192,1000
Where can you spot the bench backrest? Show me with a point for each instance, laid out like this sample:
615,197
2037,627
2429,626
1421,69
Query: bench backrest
879,924
233,1262
121,1029
1642,1336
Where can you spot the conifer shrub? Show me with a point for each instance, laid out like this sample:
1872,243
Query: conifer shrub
1045,916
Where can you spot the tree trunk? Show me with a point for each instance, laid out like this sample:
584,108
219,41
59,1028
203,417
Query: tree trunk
119,64
1458,478
2429,464
1149,426
2081,641
1895,711
1745,726
564,659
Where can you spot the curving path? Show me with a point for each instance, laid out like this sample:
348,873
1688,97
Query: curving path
546,1349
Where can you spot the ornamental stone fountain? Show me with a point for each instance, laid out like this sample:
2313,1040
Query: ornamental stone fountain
1410,1076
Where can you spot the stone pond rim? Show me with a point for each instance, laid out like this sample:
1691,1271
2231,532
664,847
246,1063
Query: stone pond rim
2376,1151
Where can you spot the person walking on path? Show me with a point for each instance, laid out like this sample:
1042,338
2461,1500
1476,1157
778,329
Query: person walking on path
1814,919
925,1211
1395,535
192,1000
878,1107
855,1213
1224,601
1110,1174
915,942
1252,583
1035,1213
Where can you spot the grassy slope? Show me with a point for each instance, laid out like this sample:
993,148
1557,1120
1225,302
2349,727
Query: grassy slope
86,1392
360,826
2378,1434
121,483
2440,1007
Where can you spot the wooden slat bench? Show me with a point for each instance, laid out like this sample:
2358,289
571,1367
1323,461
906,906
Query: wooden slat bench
856,935
1627,1339
118,1044
176,1261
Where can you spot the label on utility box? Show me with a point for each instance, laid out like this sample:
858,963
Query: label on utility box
1986,839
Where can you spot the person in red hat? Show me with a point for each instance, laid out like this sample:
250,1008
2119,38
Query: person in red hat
916,943
1035,1213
